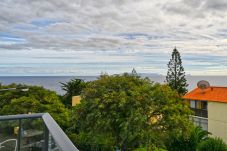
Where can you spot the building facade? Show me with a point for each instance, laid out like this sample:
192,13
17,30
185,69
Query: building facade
210,109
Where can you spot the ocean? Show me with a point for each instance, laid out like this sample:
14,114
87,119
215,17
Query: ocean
53,82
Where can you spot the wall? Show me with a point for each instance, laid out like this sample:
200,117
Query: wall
76,100
217,119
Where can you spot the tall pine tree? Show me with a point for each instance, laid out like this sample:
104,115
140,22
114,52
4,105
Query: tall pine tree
176,75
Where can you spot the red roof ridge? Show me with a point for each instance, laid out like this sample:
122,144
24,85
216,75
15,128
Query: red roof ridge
213,93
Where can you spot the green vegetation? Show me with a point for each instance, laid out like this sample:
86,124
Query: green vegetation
134,72
176,75
72,88
144,149
187,142
117,112
35,100
127,112
197,140
212,144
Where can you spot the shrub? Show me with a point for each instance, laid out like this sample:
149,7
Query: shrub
212,144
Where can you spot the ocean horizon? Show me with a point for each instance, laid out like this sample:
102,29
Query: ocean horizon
53,82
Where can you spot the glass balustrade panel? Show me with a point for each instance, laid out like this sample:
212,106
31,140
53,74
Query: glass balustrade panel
9,131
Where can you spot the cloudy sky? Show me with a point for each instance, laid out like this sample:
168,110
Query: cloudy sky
87,37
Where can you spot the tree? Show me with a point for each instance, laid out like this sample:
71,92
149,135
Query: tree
176,75
213,144
134,72
22,105
35,100
7,96
72,88
126,112
183,142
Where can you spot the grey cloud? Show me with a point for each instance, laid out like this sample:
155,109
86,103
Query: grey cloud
191,8
88,26
195,8
219,5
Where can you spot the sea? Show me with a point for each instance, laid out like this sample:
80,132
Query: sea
53,82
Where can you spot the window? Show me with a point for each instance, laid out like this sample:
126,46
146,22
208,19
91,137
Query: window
204,105
198,105
192,104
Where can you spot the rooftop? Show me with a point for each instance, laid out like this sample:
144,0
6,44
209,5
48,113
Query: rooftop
213,94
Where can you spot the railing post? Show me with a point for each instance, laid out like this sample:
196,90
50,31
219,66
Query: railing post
19,135
46,138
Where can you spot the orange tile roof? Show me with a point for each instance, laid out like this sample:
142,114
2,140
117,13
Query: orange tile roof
214,94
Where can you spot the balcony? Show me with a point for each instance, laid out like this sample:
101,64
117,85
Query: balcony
200,112
32,132
200,121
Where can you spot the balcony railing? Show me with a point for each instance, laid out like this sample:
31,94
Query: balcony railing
200,121
200,112
32,132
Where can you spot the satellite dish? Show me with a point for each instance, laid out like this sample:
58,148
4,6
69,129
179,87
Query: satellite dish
203,84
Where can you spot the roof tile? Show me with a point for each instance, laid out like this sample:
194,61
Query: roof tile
214,94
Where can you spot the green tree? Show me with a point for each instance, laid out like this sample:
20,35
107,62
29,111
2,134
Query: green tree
213,144
72,88
134,72
126,112
189,142
35,100
7,96
176,75
22,105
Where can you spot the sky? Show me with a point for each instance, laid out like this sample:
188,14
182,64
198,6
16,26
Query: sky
89,37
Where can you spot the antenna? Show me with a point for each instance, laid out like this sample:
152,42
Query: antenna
203,85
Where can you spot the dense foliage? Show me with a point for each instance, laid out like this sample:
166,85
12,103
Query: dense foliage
176,75
181,142
212,144
123,112
197,140
72,88
126,112
35,100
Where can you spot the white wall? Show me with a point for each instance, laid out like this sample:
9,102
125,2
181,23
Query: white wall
217,119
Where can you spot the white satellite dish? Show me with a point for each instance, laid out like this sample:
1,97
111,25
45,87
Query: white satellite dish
203,84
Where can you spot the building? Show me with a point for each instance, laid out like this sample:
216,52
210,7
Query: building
209,105
76,100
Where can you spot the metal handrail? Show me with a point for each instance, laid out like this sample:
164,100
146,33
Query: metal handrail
199,117
61,139
21,116
63,142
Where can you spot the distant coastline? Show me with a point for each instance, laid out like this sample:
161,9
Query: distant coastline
53,82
